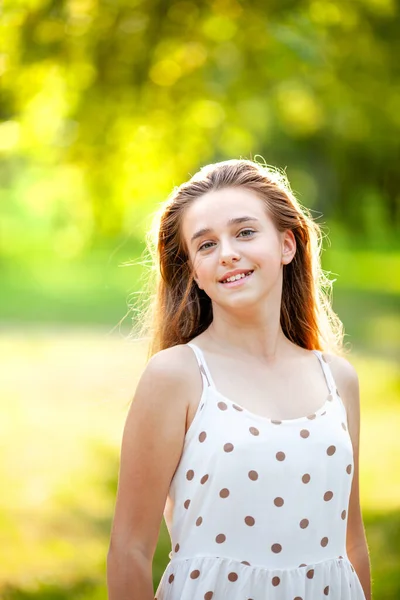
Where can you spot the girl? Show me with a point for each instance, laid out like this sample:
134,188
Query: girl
244,430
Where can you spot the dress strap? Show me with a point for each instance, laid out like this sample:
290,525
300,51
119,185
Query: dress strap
327,372
204,370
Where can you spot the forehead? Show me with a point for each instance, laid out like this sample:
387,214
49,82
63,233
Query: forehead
215,208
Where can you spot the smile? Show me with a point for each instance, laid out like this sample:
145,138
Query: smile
237,282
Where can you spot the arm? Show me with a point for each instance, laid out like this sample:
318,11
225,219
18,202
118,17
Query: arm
356,544
151,448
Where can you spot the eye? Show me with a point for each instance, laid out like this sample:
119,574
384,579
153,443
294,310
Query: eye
203,246
250,231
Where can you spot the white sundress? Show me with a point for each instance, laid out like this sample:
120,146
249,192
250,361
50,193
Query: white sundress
257,508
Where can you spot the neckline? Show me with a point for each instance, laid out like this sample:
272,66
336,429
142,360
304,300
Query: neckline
258,417
211,386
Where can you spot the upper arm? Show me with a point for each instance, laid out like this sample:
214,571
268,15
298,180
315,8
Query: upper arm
151,448
347,383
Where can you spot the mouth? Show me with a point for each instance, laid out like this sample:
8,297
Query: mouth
237,282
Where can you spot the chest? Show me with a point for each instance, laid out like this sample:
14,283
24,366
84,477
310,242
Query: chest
277,400
277,393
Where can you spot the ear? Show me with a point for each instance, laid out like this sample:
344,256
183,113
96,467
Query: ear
197,281
288,246
192,272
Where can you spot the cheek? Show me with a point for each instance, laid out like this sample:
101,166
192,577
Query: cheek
267,252
201,266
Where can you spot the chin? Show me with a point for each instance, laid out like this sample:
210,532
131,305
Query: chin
241,302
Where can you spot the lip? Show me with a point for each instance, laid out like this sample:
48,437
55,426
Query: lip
235,272
238,282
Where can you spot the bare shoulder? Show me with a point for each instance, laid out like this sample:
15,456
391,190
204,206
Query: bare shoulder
152,445
169,373
171,383
172,363
346,379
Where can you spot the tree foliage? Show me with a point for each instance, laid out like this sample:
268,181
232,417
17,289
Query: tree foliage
107,104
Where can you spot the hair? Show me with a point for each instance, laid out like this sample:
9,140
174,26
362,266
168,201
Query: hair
177,310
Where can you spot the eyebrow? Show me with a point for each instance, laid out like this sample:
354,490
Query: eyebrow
233,221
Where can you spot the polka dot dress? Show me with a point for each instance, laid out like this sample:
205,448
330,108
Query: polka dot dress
257,508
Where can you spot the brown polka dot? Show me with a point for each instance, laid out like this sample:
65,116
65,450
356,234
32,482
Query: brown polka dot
298,598
310,573
171,578
340,556
328,496
220,538
303,565
254,431
208,595
224,493
253,475
304,433
343,515
276,421
194,574
245,562
331,450
249,521
237,407
222,406
324,413
348,469
233,576
280,456
276,548
190,475
326,590
304,523
199,521
186,503
228,447
177,546
202,436
275,581
311,417
345,428
306,478
204,479
324,542
278,501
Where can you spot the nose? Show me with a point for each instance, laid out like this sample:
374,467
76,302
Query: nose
228,253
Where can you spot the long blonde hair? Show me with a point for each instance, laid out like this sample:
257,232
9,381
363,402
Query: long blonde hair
177,310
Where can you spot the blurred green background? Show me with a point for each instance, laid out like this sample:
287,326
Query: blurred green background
105,106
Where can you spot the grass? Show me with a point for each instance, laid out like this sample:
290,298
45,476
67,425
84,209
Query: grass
67,376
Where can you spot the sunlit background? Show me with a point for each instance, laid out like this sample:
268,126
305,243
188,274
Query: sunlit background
105,106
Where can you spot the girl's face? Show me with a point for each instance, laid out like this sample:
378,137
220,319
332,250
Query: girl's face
229,230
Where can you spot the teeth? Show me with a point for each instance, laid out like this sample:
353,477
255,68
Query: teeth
234,277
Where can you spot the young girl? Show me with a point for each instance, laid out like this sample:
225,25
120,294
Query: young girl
244,429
